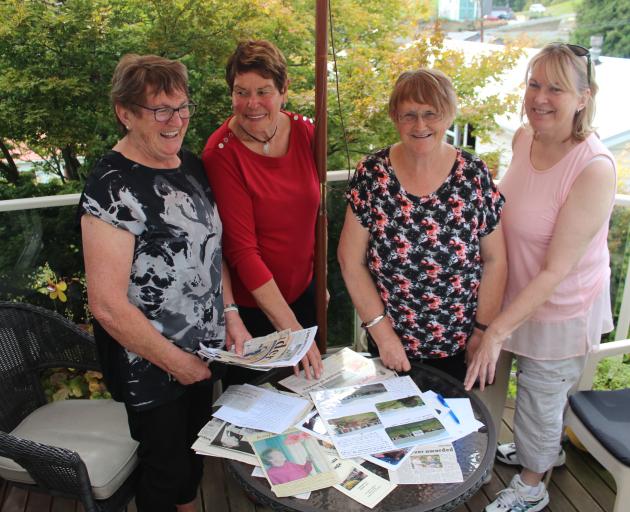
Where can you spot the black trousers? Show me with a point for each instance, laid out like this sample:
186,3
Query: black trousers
170,472
455,365
258,324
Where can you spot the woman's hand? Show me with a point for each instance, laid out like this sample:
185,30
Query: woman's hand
189,369
483,363
474,342
236,334
311,362
393,355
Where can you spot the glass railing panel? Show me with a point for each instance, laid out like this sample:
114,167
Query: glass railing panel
41,261
619,247
340,308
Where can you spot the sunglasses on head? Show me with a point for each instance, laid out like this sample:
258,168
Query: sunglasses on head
580,51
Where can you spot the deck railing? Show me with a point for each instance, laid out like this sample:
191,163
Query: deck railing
40,230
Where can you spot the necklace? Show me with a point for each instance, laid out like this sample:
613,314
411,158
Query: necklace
264,142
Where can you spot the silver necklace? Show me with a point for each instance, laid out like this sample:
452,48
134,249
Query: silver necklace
264,142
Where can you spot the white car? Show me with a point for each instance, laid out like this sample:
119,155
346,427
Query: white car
537,8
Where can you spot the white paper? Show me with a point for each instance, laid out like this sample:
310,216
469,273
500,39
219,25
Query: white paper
342,369
378,417
268,410
462,408
360,484
429,464
236,396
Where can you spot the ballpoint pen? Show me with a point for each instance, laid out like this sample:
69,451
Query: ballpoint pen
450,411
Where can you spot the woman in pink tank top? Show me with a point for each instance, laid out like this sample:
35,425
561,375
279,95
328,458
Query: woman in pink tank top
559,192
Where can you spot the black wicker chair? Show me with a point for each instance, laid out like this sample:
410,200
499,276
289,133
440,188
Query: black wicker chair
61,448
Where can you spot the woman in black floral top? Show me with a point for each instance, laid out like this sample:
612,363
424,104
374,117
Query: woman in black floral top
421,250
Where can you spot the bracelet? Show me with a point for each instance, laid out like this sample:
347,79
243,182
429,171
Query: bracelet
480,326
373,322
230,307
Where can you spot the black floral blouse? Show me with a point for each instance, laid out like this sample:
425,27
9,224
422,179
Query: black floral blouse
423,251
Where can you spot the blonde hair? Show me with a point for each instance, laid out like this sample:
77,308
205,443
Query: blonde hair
425,86
571,73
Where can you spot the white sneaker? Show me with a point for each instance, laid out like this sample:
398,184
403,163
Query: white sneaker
515,498
506,453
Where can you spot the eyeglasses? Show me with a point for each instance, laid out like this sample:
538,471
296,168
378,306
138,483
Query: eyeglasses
580,51
165,114
411,117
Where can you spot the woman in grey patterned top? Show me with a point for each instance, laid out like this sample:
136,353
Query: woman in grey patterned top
152,246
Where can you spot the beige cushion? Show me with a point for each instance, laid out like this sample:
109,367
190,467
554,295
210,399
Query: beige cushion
96,429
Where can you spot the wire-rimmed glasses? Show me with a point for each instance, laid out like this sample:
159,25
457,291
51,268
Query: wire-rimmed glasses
165,114
411,117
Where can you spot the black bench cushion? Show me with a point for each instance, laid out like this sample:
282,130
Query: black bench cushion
607,415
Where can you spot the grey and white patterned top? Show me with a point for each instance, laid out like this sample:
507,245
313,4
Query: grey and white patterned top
175,277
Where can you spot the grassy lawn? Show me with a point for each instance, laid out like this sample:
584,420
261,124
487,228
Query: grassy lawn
567,7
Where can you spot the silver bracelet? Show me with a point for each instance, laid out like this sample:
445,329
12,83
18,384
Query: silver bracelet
230,307
373,322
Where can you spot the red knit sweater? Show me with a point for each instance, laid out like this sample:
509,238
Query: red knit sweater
268,206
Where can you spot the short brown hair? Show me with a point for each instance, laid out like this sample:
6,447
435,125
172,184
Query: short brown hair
136,74
570,71
425,86
259,56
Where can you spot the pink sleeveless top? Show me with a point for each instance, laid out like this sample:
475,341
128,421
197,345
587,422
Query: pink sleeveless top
533,201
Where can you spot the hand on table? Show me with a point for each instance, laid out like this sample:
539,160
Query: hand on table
311,362
393,355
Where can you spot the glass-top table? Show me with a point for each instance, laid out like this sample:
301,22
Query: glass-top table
475,454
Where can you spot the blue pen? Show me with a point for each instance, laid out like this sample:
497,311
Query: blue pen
450,411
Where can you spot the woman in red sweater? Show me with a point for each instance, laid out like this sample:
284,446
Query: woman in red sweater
260,164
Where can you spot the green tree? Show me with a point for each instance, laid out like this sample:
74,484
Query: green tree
368,70
57,58
609,18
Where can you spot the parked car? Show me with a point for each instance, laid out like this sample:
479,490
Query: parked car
537,8
502,13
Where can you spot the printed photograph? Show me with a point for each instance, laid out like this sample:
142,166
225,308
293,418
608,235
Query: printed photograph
353,479
361,392
365,421
409,433
391,406
290,457
232,437
433,461
315,425
330,399
392,457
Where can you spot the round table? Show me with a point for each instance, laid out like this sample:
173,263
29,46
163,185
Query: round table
475,454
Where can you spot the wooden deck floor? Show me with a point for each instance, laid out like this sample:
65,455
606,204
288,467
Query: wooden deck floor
580,486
